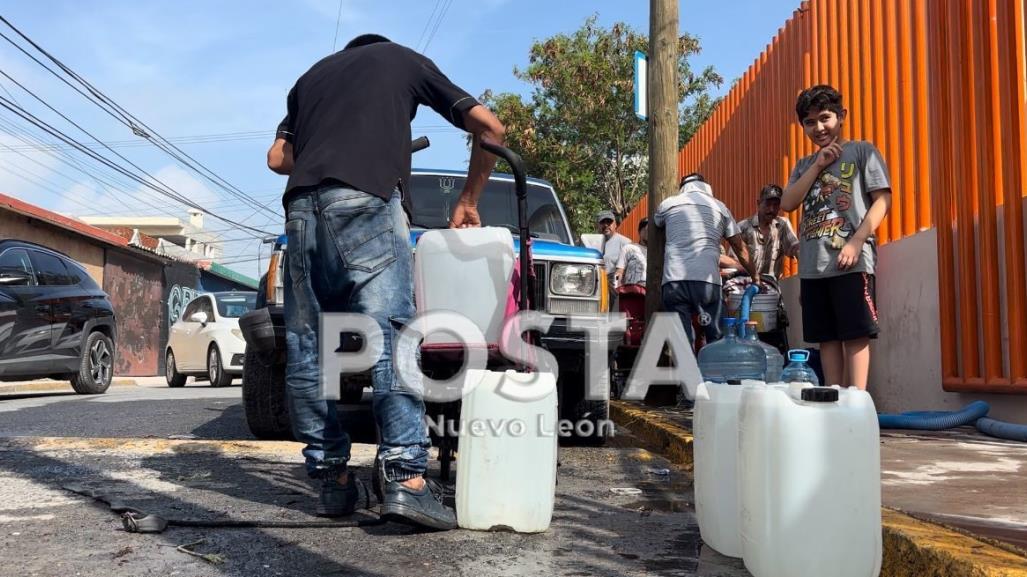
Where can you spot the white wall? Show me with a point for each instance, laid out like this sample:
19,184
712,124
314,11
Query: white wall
905,371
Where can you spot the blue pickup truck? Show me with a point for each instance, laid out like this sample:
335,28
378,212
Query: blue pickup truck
569,280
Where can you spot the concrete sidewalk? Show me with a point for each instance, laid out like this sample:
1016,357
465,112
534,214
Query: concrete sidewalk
955,502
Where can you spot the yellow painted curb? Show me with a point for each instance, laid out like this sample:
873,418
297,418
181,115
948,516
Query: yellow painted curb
672,441
153,446
912,548
46,386
278,449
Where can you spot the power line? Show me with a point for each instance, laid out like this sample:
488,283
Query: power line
427,25
438,22
338,19
102,181
196,139
137,126
163,189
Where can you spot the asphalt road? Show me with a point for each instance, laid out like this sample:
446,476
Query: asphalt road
47,530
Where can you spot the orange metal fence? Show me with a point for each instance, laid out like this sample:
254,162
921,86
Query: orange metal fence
939,87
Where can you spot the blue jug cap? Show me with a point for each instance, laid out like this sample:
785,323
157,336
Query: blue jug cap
730,321
798,355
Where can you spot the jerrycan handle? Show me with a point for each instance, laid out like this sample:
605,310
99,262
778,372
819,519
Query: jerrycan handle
798,355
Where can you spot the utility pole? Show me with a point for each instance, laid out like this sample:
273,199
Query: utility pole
662,103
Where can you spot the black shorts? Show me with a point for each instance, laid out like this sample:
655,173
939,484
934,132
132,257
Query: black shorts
840,308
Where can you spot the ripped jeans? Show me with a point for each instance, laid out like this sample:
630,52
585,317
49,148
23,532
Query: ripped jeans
349,251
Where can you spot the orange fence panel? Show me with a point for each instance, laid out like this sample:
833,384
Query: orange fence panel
939,87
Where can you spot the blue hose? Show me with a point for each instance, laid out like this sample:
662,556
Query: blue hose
750,291
1002,430
935,420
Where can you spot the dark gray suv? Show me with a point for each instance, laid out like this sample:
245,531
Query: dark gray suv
55,321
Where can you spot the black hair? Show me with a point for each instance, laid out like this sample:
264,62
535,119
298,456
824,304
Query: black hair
364,40
691,177
818,98
642,223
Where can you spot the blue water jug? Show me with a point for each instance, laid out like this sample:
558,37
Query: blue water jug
732,359
775,362
797,370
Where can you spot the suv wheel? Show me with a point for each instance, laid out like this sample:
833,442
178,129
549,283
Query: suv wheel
263,397
216,370
175,379
96,367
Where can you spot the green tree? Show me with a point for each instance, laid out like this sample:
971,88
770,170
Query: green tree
578,128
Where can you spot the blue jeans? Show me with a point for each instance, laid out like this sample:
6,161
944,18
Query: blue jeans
349,251
690,298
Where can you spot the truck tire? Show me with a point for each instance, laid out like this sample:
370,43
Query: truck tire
577,409
264,400
96,367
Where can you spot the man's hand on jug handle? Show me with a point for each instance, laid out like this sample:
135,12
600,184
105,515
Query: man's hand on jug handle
465,215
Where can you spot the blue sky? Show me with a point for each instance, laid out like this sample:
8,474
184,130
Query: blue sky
192,68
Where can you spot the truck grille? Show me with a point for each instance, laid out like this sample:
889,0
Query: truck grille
559,306
538,292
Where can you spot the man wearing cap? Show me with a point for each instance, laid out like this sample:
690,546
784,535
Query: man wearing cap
695,224
769,236
613,244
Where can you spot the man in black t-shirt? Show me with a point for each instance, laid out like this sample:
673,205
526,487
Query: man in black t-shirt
345,144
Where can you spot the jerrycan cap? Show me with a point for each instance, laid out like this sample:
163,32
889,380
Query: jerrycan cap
820,394
798,355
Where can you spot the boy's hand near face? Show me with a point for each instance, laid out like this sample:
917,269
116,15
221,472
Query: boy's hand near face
828,155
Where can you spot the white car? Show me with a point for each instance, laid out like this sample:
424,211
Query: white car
206,341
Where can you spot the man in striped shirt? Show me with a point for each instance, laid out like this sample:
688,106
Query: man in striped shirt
770,237
695,224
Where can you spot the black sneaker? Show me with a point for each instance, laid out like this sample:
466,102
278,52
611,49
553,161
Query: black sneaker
337,500
422,508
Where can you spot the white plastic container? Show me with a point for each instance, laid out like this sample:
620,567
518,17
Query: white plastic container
506,457
467,271
715,456
809,483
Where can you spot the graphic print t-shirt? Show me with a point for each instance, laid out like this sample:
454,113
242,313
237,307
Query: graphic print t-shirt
835,206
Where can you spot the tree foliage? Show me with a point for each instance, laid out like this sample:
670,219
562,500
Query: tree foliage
578,129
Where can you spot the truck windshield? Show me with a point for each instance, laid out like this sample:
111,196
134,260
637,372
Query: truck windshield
434,196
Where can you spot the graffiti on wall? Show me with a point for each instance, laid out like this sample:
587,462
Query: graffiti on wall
178,297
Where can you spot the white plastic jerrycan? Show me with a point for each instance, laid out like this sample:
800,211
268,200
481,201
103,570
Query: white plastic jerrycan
810,482
716,465
506,456
466,271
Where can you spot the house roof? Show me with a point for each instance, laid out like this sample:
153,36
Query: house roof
21,207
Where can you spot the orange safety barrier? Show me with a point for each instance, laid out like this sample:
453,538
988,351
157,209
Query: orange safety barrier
939,86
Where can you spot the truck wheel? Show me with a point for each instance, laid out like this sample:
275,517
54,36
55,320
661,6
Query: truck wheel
590,418
263,396
96,367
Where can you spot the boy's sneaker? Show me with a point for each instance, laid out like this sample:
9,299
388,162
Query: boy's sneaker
422,508
338,500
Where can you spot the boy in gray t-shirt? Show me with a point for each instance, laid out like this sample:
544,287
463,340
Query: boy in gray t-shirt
845,193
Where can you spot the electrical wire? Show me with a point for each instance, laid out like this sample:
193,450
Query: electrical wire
137,126
164,190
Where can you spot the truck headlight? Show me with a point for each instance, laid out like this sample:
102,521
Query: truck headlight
576,280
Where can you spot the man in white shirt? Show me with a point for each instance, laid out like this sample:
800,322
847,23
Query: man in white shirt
631,265
695,224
